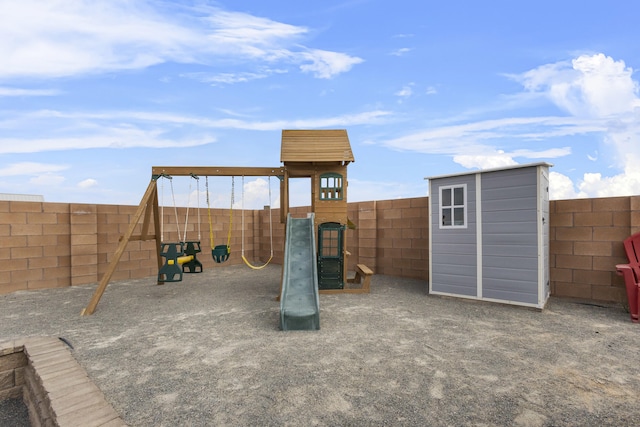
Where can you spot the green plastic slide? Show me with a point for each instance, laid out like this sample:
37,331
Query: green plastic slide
300,301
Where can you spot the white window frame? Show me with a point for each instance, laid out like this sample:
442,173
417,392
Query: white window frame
453,206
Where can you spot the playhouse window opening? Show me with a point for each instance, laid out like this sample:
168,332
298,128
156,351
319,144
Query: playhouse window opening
453,206
331,186
330,243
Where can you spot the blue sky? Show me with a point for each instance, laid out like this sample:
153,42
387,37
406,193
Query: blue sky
95,93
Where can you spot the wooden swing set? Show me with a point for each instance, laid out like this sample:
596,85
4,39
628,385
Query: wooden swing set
176,258
321,155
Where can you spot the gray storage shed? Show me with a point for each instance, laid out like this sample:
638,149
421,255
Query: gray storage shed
489,235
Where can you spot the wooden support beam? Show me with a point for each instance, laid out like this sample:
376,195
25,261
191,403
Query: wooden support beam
216,171
157,221
140,238
144,203
147,217
284,198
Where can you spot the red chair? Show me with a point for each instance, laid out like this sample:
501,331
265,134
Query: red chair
631,274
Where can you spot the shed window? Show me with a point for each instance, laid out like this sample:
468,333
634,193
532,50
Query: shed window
331,186
453,206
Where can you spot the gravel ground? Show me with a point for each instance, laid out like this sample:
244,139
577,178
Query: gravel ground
208,351
13,413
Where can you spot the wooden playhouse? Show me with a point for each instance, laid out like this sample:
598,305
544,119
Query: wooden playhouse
323,156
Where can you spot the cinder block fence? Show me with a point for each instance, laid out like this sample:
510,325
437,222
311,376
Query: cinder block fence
48,245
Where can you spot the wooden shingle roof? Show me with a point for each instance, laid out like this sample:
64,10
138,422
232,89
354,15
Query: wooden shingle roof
316,146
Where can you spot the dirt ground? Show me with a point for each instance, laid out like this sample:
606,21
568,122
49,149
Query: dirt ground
208,351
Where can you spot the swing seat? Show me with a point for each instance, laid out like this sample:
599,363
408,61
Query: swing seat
170,270
193,265
220,253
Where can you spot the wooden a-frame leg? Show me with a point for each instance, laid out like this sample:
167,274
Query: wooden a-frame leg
151,192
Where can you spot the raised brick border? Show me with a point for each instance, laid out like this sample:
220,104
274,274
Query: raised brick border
53,386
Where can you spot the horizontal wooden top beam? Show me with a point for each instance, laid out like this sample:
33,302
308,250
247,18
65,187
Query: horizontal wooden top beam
216,171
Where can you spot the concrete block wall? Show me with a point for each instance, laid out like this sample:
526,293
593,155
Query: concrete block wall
138,260
47,245
391,237
35,244
586,244
83,230
404,232
50,245
634,207
362,242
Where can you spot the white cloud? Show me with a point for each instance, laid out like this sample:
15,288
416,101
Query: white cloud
100,138
232,78
473,137
238,28
590,86
490,159
600,97
431,90
87,183
401,51
326,64
561,187
255,194
127,129
9,91
363,190
551,153
225,78
31,168
47,180
406,91
600,89
59,38
594,185
485,161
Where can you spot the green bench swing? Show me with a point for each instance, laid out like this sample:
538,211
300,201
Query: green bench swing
179,257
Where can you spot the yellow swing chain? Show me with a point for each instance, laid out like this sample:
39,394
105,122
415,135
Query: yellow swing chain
230,213
206,184
270,231
198,193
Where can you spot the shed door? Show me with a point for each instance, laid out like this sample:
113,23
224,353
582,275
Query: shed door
330,255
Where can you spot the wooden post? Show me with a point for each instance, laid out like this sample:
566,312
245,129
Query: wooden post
156,223
144,203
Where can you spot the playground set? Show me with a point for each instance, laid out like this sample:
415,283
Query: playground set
323,156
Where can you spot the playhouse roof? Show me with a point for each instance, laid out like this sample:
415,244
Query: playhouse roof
316,146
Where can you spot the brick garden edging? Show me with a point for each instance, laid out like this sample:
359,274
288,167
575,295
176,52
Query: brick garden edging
53,386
